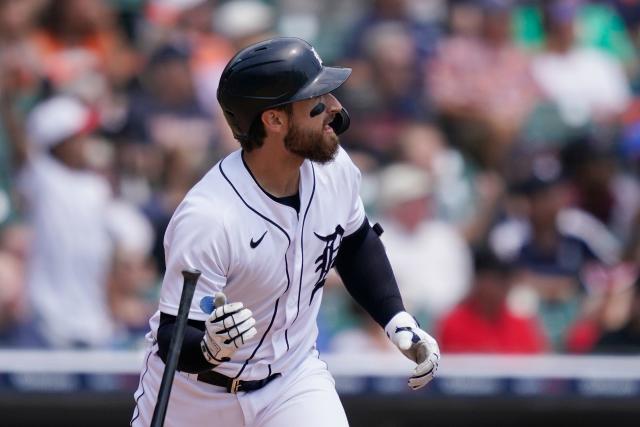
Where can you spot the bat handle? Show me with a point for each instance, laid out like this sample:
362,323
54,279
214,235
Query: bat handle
188,289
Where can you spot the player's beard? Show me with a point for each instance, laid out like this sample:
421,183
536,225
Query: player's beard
316,146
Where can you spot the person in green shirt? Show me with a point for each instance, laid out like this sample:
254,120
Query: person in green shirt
598,25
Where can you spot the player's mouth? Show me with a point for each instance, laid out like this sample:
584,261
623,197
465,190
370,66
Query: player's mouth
327,127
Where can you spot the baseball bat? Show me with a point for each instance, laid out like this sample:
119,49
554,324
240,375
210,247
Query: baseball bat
188,288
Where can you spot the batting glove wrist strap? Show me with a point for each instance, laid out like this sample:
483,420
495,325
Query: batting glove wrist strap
417,345
229,327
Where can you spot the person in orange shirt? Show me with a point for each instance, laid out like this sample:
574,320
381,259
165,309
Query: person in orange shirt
81,48
483,322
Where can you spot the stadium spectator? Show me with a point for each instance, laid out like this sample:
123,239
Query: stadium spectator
190,25
387,47
631,253
19,85
385,93
132,279
423,33
424,146
66,205
15,240
552,246
12,298
468,199
609,26
81,50
627,338
245,22
629,11
165,111
483,322
599,185
481,86
169,139
8,126
585,83
430,258
606,308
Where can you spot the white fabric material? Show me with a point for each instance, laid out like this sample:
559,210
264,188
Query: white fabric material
129,229
432,265
55,120
212,231
177,5
583,82
508,237
243,18
582,225
305,395
71,252
400,183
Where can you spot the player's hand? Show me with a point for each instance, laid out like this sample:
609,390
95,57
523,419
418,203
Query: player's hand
229,327
417,345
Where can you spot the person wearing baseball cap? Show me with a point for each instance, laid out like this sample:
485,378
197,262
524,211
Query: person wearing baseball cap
60,125
66,205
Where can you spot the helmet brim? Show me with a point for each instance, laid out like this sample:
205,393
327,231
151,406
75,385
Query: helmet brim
327,80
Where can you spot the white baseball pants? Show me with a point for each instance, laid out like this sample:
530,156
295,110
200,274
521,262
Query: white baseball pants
305,396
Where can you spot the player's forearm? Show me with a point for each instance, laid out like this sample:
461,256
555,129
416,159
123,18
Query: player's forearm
366,272
191,359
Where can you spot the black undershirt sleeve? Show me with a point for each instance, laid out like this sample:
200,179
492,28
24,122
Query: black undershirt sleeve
191,359
366,272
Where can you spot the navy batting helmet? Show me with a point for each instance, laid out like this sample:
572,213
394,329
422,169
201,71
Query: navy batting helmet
272,73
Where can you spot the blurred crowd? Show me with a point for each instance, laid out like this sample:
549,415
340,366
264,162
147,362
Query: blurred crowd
499,142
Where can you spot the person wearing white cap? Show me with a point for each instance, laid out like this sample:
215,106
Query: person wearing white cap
430,258
71,250
245,22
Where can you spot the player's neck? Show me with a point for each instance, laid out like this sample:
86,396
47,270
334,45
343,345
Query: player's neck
277,171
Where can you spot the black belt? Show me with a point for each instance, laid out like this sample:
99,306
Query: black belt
234,385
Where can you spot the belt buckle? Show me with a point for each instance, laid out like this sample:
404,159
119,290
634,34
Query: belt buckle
235,384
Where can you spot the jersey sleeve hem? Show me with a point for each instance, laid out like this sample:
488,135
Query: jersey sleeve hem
173,310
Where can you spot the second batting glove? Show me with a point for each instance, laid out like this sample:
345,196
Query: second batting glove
417,345
229,327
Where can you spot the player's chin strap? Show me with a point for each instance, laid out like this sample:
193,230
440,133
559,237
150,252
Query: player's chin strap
340,122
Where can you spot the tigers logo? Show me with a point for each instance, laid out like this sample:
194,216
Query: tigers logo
327,259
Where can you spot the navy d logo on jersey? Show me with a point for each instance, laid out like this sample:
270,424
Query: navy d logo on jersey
327,259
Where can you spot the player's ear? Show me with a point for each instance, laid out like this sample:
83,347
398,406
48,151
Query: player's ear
274,121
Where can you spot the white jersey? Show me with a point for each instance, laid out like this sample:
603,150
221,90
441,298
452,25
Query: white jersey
71,252
262,253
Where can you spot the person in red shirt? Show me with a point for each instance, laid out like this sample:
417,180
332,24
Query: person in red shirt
482,322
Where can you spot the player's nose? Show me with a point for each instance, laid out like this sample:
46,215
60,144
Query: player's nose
333,105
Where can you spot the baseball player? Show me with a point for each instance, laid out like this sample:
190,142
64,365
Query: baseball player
265,225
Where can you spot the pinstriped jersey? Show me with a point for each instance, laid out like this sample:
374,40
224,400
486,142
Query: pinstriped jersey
262,253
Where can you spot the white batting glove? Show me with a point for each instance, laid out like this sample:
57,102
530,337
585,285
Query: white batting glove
417,345
229,327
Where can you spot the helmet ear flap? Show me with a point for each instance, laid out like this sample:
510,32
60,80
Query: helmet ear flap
341,122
